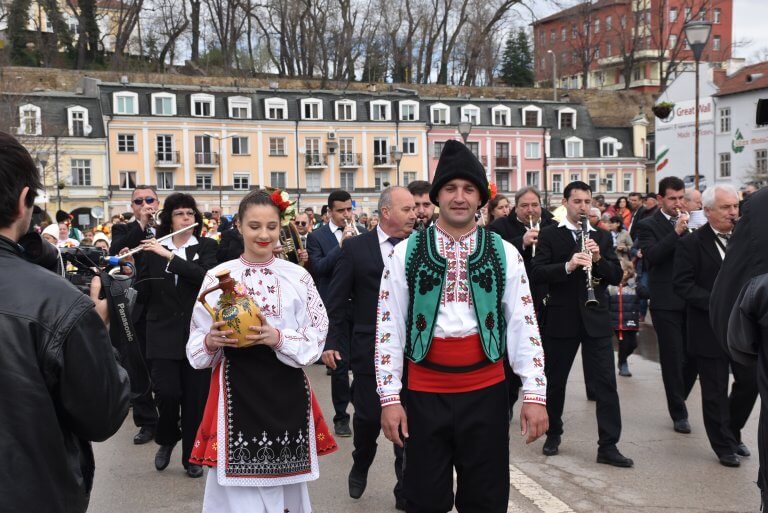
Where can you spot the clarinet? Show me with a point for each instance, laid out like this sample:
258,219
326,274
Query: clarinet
591,301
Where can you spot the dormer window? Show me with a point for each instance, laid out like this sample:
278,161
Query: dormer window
346,110
202,106
440,114
239,107
163,104
531,116
311,109
409,110
381,110
276,108
502,116
566,118
470,113
574,147
125,103
77,121
29,120
609,147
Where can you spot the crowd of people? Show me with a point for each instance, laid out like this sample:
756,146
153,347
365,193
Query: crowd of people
445,305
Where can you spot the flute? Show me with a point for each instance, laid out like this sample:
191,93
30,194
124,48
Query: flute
530,226
115,260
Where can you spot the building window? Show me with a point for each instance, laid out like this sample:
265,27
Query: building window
347,181
240,146
29,120
702,14
440,114
77,119
165,180
202,105
716,43
673,15
437,148
672,41
470,113
241,181
592,182
608,147
574,148
563,34
239,107
380,110
502,181
623,21
474,147
687,12
408,177
531,116
346,110
163,104
552,36
532,178
276,108
501,116
725,165
597,25
203,153
409,146
277,146
610,182
380,151
204,181
567,118
608,23
761,162
311,109
312,152
347,156
314,181
725,120
81,172
379,179
574,176
627,185
126,143
502,155
164,146
532,150
127,180
557,183
126,103
716,18
277,179
409,110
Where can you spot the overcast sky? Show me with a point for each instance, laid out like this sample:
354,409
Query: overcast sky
748,22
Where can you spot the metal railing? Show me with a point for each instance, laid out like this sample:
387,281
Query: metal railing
167,158
349,159
315,160
206,158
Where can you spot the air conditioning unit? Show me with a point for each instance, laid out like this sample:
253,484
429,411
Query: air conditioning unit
331,136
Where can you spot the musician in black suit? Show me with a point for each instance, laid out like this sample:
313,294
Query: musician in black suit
698,259
324,247
560,263
126,236
172,273
356,278
658,237
425,209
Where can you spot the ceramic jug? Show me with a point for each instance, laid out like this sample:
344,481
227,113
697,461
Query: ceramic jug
237,310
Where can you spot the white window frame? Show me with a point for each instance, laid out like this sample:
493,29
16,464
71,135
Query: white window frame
501,108
470,111
163,186
240,175
610,182
627,181
579,154
614,141
204,176
353,110
557,183
724,120
533,173
86,167
531,108
70,120
316,182
566,110
533,144
202,98
240,145
38,120
270,103
409,145
724,161
387,109
162,96
574,176
312,101
125,94
440,106
344,178
117,141
124,176
716,43
411,103
277,144
240,102
593,178
282,177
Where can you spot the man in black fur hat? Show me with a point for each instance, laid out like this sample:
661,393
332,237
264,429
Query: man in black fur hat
454,302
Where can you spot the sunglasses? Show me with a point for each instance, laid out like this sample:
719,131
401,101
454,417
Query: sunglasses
301,223
140,201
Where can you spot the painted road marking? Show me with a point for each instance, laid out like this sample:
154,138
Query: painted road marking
533,491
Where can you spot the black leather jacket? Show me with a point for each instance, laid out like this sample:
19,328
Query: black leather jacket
60,388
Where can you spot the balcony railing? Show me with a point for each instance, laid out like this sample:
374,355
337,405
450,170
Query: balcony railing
382,160
507,162
167,158
315,160
206,159
349,159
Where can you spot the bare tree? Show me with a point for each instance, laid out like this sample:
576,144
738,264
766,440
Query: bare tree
167,24
483,27
586,39
126,19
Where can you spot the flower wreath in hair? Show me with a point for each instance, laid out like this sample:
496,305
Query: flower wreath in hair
284,204
492,190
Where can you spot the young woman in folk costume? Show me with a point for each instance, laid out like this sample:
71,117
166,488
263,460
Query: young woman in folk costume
262,430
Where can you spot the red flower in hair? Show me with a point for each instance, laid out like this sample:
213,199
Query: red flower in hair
492,190
278,200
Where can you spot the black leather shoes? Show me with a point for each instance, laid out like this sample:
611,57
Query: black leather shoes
145,435
729,460
341,428
357,482
743,450
194,471
551,446
400,504
163,456
682,426
614,457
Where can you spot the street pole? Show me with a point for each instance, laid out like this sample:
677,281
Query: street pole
697,35
554,76
58,183
696,135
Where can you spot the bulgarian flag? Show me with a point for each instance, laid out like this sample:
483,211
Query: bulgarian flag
661,158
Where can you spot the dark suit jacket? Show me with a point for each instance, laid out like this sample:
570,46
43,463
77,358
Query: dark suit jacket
324,250
169,304
230,246
697,263
126,235
356,278
565,310
658,240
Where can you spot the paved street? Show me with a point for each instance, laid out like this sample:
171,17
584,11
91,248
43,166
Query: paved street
673,472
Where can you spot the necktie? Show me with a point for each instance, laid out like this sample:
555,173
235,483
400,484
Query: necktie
673,221
394,240
577,234
725,237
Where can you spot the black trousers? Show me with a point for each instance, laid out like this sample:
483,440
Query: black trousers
468,431
743,396
514,384
144,410
180,392
366,423
713,378
340,391
678,368
627,344
597,355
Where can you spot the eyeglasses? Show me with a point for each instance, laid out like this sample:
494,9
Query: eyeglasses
140,201
301,223
181,213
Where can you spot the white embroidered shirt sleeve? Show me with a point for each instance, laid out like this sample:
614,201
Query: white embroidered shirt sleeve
524,349
197,353
391,315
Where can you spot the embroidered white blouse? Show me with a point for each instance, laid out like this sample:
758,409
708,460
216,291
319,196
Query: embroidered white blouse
456,316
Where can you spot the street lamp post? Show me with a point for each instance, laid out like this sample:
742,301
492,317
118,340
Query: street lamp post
218,165
697,35
554,75
397,155
465,127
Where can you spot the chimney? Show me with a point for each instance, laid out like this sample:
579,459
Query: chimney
718,76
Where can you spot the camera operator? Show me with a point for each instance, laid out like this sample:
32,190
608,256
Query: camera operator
62,387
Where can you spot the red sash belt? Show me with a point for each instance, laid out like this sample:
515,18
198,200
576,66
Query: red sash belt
454,365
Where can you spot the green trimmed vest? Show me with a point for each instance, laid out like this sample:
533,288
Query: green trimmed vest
425,273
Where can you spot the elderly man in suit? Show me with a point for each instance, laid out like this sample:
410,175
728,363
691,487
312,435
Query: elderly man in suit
324,247
698,260
356,278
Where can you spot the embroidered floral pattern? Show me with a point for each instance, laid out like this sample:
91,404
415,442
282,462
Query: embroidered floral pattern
456,253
